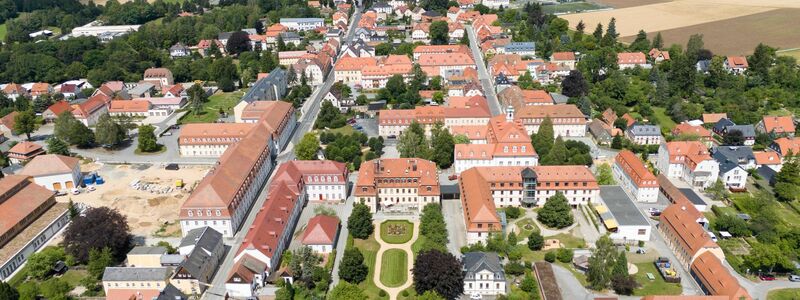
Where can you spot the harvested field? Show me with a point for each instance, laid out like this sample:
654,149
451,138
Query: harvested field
729,26
151,211
627,3
740,35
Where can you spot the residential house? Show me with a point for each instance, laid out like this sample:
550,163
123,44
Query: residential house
302,24
203,251
657,55
689,160
776,125
736,64
445,65
247,275
634,177
41,88
483,274
160,76
748,133
55,110
566,59
210,140
770,159
496,3
683,227
145,256
24,151
204,46
686,129
337,99
321,234
641,134
8,121
786,146
89,111
69,91
115,278
14,90
715,278
348,69
54,172
520,48
629,60
517,98
271,87
713,118
601,132
315,68
179,50
415,184
475,111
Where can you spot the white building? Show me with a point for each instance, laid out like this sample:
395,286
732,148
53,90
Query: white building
506,144
688,160
634,177
302,24
483,274
496,3
54,172
321,234
568,120
624,221
95,29
644,134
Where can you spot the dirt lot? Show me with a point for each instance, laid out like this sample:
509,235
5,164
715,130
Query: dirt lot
740,35
729,26
146,211
627,3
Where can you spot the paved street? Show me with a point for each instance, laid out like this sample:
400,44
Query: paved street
341,244
483,75
454,214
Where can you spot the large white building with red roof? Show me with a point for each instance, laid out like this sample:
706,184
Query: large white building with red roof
634,177
568,120
688,160
506,143
473,111
397,184
321,234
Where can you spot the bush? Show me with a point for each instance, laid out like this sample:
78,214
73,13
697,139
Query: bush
382,293
535,241
550,256
514,268
513,212
564,255
404,293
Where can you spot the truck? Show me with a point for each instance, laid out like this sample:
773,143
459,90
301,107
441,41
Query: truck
667,271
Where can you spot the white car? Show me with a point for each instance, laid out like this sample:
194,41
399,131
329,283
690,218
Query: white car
476,296
76,191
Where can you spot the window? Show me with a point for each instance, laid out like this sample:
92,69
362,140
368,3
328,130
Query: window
642,231
190,213
219,213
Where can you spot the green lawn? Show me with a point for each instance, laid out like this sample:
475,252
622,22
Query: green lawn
403,238
346,130
784,294
394,267
653,287
666,123
526,226
3,32
530,255
417,245
210,112
568,240
369,248
73,277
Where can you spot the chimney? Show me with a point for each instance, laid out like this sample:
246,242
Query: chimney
510,114
414,165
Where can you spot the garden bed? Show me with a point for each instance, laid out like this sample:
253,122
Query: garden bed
397,231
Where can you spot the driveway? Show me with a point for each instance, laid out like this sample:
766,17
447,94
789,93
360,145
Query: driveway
456,229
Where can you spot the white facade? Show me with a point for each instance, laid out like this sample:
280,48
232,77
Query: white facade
208,150
302,24
703,175
496,161
16,260
334,191
640,194
565,130
506,198
643,139
735,178
632,233
321,249
496,3
60,182
574,197
485,283
419,35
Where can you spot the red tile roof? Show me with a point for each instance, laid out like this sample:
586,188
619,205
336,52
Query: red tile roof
381,172
681,220
714,118
775,124
9,120
25,149
321,230
767,158
631,58
50,164
19,198
716,278
59,107
635,168
129,106
787,145
688,129
562,56
737,62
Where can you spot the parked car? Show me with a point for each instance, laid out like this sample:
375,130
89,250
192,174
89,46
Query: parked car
167,133
766,277
476,296
76,191
172,167
794,278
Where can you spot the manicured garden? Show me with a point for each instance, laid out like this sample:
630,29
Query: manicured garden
397,231
394,267
369,248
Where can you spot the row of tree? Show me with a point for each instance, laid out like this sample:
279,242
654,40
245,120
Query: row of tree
413,142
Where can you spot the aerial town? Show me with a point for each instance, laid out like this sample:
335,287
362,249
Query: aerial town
399,150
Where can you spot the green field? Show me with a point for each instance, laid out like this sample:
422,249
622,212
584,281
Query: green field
568,240
784,294
369,248
793,53
394,267
666,123
570,7
3,32
210,112
653,287
526,226
402,238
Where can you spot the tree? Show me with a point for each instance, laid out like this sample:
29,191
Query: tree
72,131
610,39
761,61
787,181
98,261
98,228
601,263
733,138
733,225
604,175
439,272
557,155
25,123
764,257
556,212
535,241
147,139
433,227
40,264
57,146
525,81
307,148
718,190
511,239
624,285
55,289
640,44
442,146
543,139
658,41
376,145
197,98
430,295
528,284
346,291
439,33
693,47
616,143
329,117
412,142
461,139
598,32
108,133
574,85
620,265
564,255
352,268
302,265
360,222
8,292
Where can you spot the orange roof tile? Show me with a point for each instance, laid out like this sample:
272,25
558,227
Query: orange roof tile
321,230
686,128
633,166
380,172
767,158
559,113
213,133
20,197
714,118
787,145
631,58
129,106
681,220
25,148
563,56
716,278
775,124
50,164
737,61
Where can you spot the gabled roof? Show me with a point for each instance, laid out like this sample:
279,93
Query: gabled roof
714,117
129,106
644,130
25,147
786,145
686,128
19,197
631,58
475,262
321,230
736,62
716,278
9,120
778,124
50,164
682,218
767,158
562,56
59,107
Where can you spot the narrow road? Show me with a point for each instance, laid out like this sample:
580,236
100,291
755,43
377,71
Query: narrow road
341,244
394,291
483,74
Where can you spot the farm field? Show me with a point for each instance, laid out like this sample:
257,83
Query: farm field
752,22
